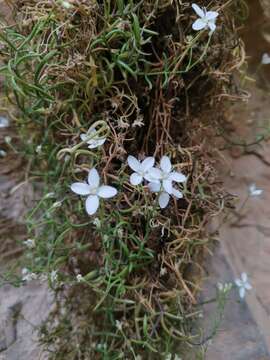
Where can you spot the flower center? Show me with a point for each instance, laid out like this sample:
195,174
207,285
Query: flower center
165,176
93,190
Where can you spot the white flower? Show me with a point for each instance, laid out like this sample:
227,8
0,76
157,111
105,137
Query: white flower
207,19
30,243
39,149
54,276
27,275
266,59
79,278
92,139
94,191
243,285
119,325
141,169
253,191
4,122
162,180
3,153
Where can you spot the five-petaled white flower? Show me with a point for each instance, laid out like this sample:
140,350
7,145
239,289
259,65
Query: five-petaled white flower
162,180
94,191
92,139
266,59
243,285
254,191
207,19
141,169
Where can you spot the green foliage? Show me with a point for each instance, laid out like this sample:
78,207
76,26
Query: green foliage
137,71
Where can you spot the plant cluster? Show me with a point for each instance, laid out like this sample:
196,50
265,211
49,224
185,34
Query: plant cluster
100,85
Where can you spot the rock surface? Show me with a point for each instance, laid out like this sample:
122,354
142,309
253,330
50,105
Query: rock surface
245,239
22,311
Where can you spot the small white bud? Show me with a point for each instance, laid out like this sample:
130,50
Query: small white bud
79,278
29,243
8,139
49,195
39,149
57,204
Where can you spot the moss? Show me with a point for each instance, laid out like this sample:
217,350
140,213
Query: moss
138,71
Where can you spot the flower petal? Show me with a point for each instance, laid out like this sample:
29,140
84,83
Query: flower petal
80,188
265,59
106,192
165,164
238,282
147,163
242,292
92,204
92,144
212,26
167,185
177,176
154,186
135,179
198,10
89,135
163,199
198,25
93,178
133,163
211,15
83,137
244,277
4,122
153,175
248,286
177,193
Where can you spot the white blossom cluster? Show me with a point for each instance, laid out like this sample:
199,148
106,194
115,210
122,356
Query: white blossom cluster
160,179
